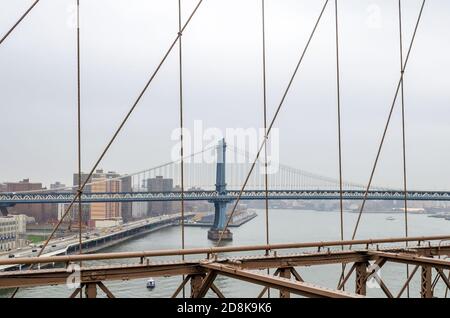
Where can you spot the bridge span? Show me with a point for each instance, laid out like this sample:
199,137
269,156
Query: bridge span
10,199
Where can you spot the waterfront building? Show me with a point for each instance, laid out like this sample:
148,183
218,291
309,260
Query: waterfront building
139,210
55,208
13,231
127,207
8,232
100,181
159,184
101,211
42,212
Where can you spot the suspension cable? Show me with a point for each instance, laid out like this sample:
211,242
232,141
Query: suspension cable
80,213
18,21
117,131
78,136
265,119
338,85
163,165
266,178
273,120
180,59
338,91
402,97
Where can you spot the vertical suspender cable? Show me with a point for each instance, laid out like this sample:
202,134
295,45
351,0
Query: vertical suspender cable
80,212
79,121
180,58
78,124
265,128
18,21
265,122
402,97
338,86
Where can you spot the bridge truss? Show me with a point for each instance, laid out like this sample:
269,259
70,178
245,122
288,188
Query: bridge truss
286,261
7,199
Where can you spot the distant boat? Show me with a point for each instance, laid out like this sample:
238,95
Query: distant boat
440,215
151,283
390,218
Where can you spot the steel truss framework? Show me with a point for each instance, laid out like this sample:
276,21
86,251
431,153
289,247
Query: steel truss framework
423,253
19,198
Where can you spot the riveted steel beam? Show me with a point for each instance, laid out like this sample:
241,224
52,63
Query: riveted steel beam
296,287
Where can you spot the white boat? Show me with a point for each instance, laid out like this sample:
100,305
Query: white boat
151,283
390,218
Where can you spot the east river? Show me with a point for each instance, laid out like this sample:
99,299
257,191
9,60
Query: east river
285,226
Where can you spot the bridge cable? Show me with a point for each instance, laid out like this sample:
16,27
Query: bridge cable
266,181
388,120
180,59
78,139
338,91
120,177
273,119
80,213
155,72
402,96
18,21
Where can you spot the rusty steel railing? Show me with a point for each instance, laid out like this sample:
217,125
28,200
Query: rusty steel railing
215,250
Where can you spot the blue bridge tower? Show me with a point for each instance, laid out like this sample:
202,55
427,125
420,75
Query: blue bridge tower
220,205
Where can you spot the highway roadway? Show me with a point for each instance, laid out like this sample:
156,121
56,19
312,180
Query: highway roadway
60,245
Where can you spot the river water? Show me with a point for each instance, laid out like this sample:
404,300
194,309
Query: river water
285,226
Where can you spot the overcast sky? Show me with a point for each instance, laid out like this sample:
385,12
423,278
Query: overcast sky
123,41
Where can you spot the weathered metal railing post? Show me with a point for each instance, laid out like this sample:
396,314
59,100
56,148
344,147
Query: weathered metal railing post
426,282
361,278
196,283
91,290
285,273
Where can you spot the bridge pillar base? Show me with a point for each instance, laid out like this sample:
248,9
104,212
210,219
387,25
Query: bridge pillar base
214,235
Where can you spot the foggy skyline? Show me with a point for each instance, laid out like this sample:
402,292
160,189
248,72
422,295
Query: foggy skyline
123,41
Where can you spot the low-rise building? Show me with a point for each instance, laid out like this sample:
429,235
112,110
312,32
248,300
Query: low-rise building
21,236
42,212
8,233
13,231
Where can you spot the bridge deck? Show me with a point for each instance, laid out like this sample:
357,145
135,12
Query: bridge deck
8,199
